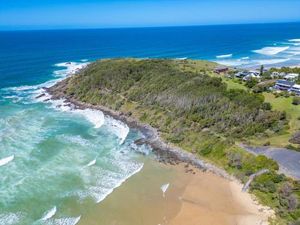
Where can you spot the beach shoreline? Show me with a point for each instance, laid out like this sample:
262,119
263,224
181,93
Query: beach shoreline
172,155
166,152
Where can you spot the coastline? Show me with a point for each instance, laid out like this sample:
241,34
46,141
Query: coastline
191,198
166,152
173,155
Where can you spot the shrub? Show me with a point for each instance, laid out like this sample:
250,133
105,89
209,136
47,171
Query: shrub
296,100
234,160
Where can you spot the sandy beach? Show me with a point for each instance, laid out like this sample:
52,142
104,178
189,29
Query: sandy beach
209,199
205,195
193,198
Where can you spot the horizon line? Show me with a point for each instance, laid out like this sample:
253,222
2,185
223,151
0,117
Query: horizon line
140,27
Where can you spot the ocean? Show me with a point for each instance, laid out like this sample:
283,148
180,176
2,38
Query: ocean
56,161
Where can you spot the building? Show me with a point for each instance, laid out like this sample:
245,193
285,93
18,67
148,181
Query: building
291,76
252,75
219,70
283,85
295,89
241,74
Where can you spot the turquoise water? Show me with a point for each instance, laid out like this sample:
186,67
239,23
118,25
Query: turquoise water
57,162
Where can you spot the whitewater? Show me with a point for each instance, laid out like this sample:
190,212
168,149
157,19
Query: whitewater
53,153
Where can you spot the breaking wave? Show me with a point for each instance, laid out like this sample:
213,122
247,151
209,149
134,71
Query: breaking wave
10,218
295,40
6,160
64,221
224,56
110,167
49,214
271,50
91,163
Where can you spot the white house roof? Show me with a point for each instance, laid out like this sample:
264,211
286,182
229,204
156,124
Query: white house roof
297,86
292,75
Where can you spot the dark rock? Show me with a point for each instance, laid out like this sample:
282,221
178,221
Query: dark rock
296,138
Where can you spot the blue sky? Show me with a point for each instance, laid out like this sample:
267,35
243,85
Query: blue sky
47,14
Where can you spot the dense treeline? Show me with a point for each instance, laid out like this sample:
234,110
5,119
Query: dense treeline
201,98
195,111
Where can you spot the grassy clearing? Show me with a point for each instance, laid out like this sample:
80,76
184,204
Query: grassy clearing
292,113
234,84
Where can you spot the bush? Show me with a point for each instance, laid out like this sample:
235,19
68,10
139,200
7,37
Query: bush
266,106
296,138
234,160
296,100
251,82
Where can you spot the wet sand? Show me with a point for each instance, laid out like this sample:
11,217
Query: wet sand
191,199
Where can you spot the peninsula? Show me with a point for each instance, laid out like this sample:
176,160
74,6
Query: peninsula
187,111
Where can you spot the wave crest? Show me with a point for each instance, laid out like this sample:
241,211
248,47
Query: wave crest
271,50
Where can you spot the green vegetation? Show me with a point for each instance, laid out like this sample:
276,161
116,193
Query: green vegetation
195,109
287,70
282,136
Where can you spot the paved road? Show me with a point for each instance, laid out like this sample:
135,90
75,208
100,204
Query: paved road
288,160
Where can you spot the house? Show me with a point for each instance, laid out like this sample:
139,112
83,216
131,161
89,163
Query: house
241,74
283,85
275,74
291,76
295,89
252,75
219,70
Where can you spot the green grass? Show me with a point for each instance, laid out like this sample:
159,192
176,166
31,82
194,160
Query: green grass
292,112
234,84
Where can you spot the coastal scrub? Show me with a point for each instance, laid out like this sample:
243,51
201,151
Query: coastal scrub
193,109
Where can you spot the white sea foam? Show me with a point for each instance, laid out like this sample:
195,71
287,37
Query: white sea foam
118,128
270,61
6,160
224,56
295,40
64,221
164,188
91,163
102,195
233,62
49,214
271,50
245,58
10,218
106,180
96,117
70,67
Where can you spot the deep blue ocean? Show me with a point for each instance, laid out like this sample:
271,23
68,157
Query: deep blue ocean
57,162
27,57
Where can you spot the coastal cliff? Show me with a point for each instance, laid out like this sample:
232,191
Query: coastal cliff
182,104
